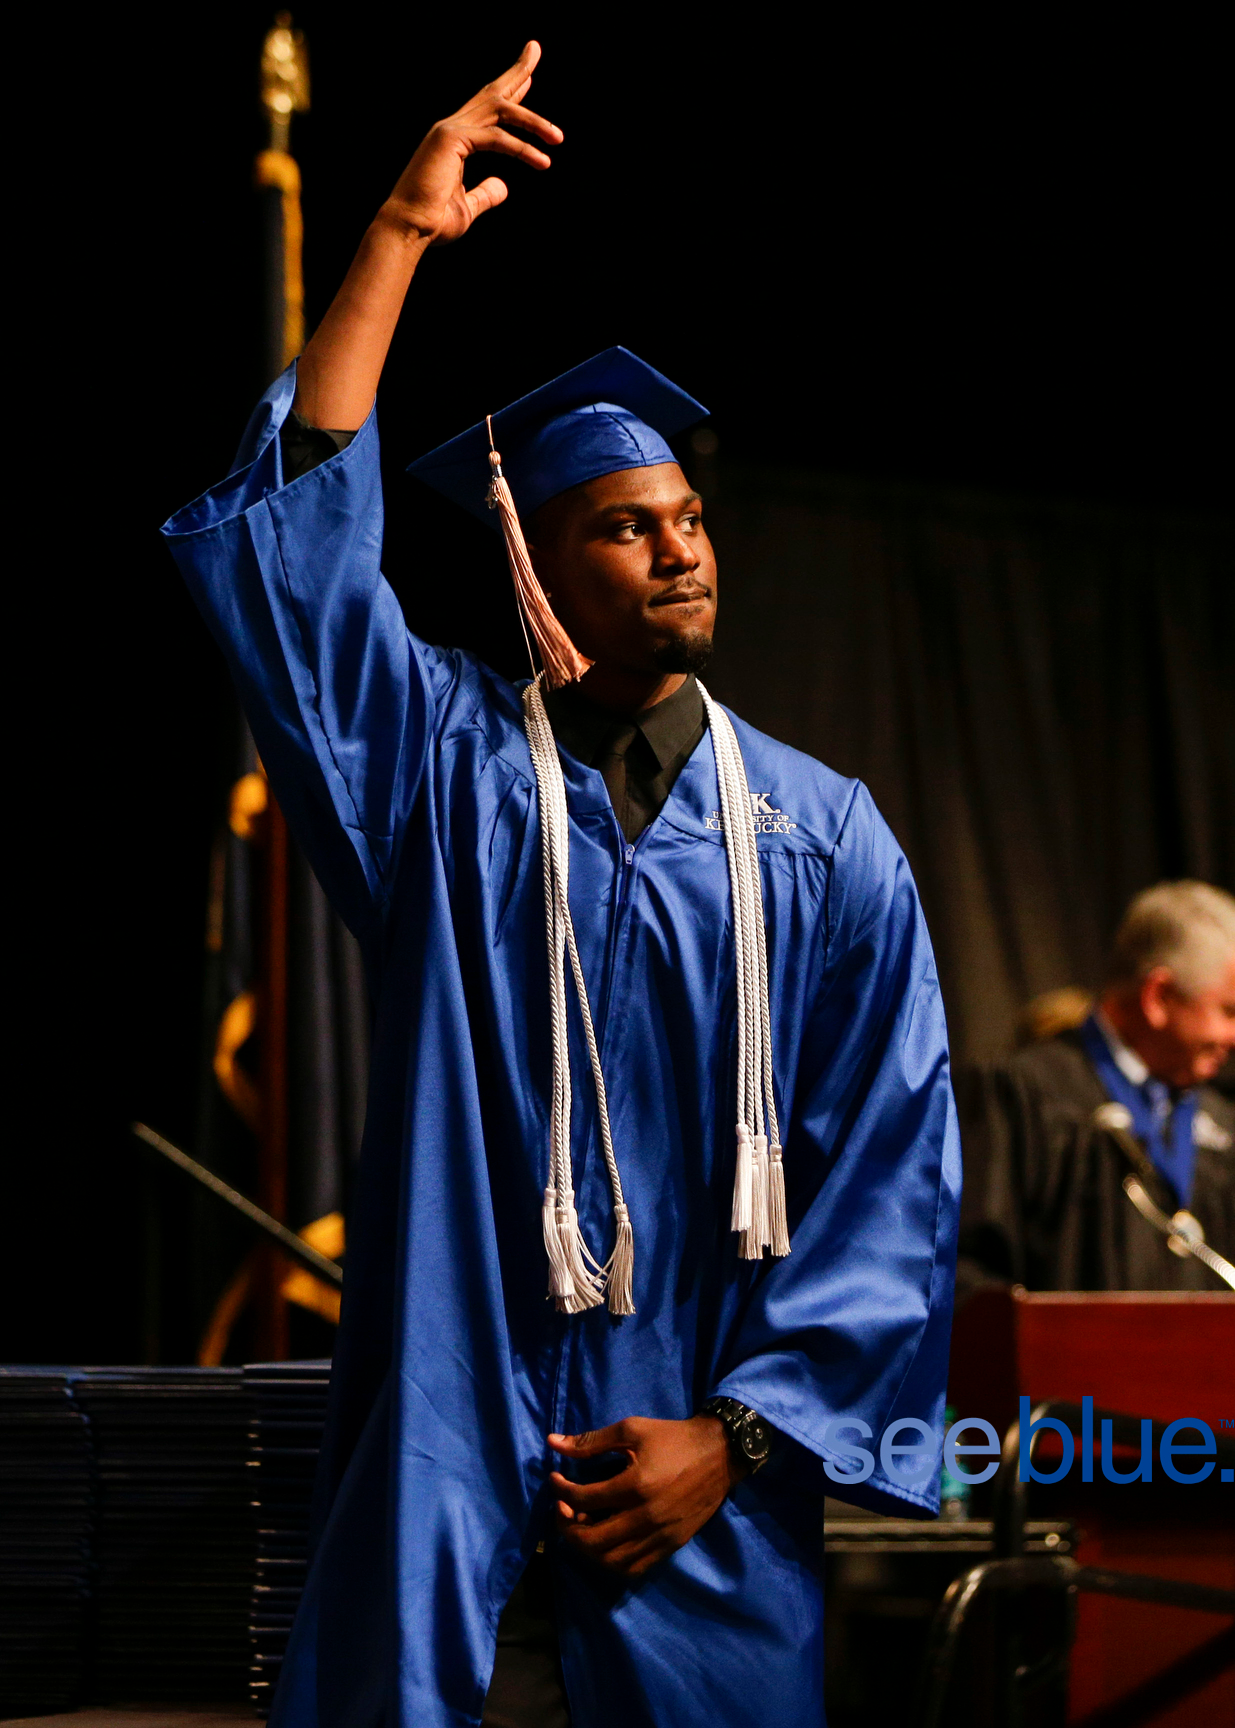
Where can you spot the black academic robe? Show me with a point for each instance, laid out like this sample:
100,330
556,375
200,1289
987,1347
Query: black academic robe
1044,1204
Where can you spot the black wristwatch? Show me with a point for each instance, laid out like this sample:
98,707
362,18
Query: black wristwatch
749,1437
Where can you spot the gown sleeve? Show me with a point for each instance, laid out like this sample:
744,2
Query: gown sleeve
340,697
856,1322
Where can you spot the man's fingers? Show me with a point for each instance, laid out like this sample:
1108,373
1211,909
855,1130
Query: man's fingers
620,1531
486,196
506,144
512,114
512,85
617,1437
598,1498
519,76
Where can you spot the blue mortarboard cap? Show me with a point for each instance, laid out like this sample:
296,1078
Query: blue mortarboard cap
612,412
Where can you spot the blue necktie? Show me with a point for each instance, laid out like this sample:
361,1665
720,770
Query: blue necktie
1164,1128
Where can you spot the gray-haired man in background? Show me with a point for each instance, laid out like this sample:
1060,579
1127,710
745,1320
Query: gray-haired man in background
1081,1148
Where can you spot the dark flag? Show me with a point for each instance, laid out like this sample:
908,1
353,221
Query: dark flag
285,1063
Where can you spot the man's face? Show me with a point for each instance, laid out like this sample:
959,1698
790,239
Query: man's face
630,570
1190,1037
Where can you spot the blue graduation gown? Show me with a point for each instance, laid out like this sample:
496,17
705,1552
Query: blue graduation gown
404,771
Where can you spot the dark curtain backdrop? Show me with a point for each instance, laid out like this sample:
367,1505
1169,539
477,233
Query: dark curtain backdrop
1040,699
900,249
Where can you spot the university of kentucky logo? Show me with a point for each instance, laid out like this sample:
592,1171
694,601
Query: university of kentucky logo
768,819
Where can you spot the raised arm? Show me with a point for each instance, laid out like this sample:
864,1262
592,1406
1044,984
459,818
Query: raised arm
341,699
430,206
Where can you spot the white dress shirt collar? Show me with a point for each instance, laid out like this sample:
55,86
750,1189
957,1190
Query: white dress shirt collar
1127,1061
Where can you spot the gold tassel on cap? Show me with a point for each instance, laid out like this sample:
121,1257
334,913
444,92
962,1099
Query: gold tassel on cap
562,661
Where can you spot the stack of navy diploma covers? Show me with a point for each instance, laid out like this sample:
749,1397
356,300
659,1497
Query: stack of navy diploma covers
174,1535
288,1401
46,1508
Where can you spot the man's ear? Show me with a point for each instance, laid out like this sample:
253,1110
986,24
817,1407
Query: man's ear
1157,988
541,556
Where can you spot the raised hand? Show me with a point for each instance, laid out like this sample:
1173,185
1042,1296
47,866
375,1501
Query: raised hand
430,197
677,1475
339,370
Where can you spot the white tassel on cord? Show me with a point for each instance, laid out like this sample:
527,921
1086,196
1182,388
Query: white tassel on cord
743,1181
562,661
622,1265
760,1229
759,1213
589,1288
577,1280
778,1214
561,1284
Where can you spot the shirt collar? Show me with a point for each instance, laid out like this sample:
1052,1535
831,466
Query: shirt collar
668,726
1126,1060
672,724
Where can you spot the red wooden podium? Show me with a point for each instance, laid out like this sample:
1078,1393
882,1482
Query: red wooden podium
1162,1355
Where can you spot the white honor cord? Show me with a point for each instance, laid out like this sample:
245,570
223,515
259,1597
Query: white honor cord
759,1208
577,1280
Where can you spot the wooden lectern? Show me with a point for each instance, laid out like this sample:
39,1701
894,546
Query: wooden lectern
1161,1355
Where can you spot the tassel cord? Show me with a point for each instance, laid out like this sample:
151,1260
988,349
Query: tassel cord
562,661
571,1282
768,1225
744,830
555,835
743,1174
563,1263
561,870
743,1188
739,824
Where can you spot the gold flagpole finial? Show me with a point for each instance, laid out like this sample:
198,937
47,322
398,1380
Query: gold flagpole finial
285,78
285,91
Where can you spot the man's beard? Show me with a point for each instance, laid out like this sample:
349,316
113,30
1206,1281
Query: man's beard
689,652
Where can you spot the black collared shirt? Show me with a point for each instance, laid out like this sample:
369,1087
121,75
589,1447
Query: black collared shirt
641,756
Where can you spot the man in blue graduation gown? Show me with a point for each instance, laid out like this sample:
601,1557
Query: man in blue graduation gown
481,1435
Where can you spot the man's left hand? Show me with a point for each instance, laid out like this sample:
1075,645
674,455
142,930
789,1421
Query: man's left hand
676,1476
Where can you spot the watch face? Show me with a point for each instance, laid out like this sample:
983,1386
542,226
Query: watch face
755,1442
747,1433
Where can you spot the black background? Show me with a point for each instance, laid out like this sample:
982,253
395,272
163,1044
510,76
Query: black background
912,249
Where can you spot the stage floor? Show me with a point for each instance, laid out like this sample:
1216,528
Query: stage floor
143,1716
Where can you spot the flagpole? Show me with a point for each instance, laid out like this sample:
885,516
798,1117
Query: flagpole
285,91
